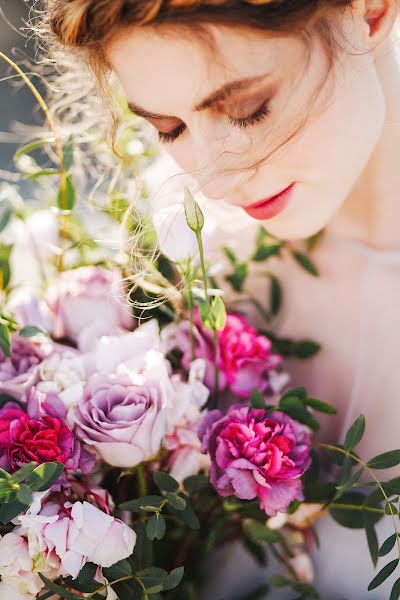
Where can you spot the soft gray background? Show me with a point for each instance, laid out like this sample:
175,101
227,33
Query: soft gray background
16,102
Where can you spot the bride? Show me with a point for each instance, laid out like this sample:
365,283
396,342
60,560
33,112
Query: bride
286,113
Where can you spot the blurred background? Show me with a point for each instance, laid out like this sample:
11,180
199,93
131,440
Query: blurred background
17,104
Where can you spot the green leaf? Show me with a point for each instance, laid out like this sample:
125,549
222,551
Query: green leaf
294,407
122,568
355,433
57,589
5,216
257,399
138,504
9,511
152,577
155,527
387,545
165,482
264,252
31,330
306,349
275,294
43,477
299,392
279,581
43,173
23,472
218,311
238,277
391,509
66,200
229,253
68,153
24,494
5,475
383,574
258,532
385,460
30,147
188,516
353,519
194,216
5,339
174,578
256,550
373,544
320,406
395,594
176,501
305,262
194,483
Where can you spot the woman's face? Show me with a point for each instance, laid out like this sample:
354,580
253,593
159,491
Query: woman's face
318,126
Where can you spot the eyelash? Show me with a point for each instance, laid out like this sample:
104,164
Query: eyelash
259,115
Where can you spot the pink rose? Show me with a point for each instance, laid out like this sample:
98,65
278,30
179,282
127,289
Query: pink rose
244,357
89,302
76,533
254,455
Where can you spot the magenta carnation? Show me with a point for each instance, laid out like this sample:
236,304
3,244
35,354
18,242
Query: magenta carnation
244,356
256,455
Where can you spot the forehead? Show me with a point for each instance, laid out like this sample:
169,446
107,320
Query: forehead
164,71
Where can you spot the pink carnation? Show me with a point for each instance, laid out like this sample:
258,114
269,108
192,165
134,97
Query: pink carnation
244,356
256,455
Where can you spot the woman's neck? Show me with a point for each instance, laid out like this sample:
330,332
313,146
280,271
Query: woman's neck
371,213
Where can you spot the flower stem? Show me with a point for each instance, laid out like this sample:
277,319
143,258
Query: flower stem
352,456
141,480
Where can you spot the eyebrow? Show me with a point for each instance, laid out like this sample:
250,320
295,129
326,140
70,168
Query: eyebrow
221,93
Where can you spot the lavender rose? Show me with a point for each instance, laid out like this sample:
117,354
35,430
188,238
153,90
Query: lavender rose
125,415
254,455
20,372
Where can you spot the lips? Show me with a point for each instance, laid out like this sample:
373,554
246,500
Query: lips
272,206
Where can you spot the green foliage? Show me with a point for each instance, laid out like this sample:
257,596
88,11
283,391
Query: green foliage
385,460
66,197
355,433
305,262
383,574
165,482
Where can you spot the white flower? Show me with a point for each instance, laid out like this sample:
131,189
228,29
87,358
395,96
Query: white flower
17,568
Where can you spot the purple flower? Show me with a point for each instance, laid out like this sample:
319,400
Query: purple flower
254,455
20,372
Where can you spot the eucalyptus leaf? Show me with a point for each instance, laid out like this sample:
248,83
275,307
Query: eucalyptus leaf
155,527
176,501
355,433
387,545
258,532
138,504
373,544
165,482
31,330
275,294
395,593
385,460
383,574
174,578
24,494
194,483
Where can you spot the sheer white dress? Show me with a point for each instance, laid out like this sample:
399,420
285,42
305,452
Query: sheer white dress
353,310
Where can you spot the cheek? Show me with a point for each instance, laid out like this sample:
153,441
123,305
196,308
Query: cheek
329,156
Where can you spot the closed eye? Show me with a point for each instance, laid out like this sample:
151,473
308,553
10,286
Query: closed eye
256,117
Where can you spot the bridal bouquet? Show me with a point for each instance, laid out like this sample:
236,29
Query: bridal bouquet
143,427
